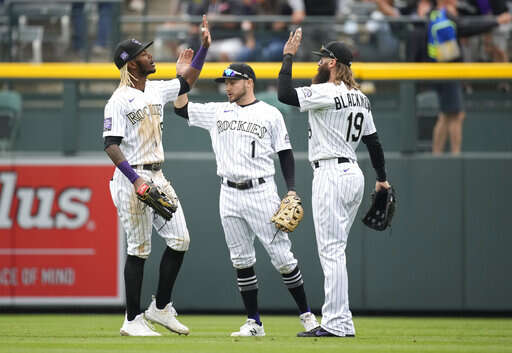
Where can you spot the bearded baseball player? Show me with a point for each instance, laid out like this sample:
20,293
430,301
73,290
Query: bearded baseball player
245,133
339,118
142,195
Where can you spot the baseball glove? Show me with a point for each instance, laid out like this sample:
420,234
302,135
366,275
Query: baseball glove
162,204
289,214
382,209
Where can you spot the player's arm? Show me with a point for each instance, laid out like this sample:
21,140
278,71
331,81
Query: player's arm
191,73
288,167
377,157
181,106
285,91
116,155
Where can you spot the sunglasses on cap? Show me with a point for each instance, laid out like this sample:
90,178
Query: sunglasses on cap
232,73
327,51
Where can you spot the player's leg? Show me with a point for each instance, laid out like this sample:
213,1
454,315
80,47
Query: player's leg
240,242
337,193
176,236
136,221
263,201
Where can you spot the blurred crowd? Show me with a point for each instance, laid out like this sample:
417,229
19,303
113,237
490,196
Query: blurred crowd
378,30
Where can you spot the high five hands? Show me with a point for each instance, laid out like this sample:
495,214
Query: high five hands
292,45
206,38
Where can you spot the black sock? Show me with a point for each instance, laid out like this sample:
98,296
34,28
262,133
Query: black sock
169,267
248,286
295,284
133,273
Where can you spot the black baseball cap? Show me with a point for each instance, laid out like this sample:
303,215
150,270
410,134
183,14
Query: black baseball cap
237,71
338,51
128,50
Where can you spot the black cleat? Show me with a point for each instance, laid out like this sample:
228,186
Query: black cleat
319,332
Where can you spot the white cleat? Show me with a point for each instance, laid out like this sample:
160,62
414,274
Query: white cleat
250,328
309,322
137,327
166,317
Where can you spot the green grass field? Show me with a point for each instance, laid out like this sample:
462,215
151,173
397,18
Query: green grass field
100,333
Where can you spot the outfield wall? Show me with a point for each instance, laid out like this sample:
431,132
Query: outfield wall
448,248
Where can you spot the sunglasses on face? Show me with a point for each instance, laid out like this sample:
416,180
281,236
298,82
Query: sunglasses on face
233,73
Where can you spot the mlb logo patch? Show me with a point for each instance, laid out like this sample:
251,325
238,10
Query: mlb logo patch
107,124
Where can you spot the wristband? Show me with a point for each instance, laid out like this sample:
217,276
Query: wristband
198,61
128,171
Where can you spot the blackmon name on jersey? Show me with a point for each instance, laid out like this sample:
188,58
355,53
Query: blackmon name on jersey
352,100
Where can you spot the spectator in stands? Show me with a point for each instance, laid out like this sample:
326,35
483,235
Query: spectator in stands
80,35
136,5
268,46
415,35
317,32
444,30
229,37
495,43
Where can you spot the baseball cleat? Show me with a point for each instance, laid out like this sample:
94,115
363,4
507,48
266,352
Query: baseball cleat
137,327
166,317
309,322
319,332
250,328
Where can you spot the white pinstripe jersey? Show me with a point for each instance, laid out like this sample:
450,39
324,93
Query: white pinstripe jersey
338,119
137,117
243,138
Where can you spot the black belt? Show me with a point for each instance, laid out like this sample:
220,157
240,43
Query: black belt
244,185
153,166
340,160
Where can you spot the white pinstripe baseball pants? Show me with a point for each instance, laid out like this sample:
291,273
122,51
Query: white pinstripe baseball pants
246,214
337,193
137,218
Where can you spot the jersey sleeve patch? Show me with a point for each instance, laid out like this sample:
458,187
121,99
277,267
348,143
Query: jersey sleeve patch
107,124
307,92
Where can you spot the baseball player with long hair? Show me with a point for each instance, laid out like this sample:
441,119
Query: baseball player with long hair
133,140
245,133
339,118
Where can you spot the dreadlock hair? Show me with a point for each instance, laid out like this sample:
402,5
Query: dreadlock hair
344,74
127,79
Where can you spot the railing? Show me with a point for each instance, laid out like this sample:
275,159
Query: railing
10,6
358,15
406,74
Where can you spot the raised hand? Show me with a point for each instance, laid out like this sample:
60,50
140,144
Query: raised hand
293,43
206,38
184,60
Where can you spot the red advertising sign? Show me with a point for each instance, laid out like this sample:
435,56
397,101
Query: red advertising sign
60,241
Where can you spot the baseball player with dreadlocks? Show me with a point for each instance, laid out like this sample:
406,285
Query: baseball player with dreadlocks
245,133
339,118
133,140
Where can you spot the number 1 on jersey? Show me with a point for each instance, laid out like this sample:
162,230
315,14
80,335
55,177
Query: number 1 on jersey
253,149
358,126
